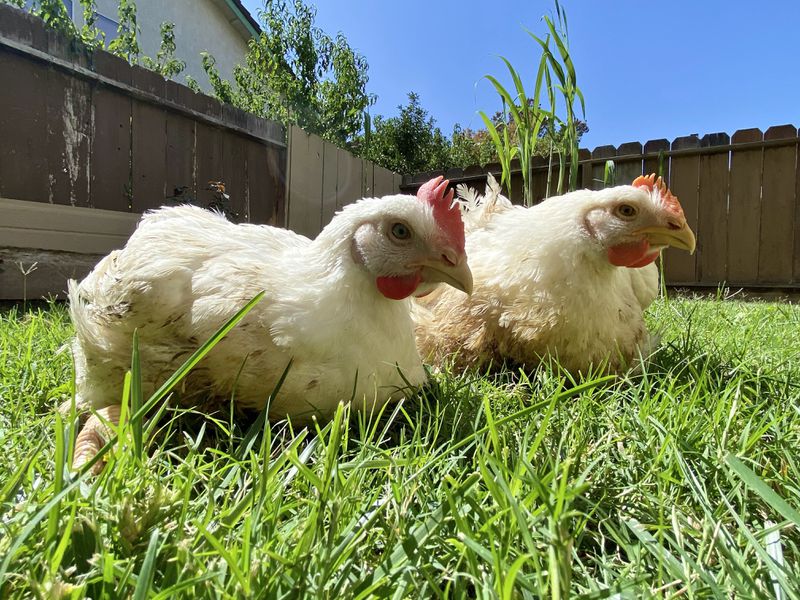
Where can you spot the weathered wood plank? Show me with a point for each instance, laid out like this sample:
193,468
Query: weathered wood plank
69,136
383,181
600,155
680,266
66,228
30,274
330,173
180,168
234,174
349,179
23,129
713,212
653,165
538,179
305,183
259,208
208,161
744,209
148,157
796,278
367,179
277,169
585,176
111,152
775,261
626,170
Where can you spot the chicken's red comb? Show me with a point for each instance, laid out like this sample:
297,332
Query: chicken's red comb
668,199
445,211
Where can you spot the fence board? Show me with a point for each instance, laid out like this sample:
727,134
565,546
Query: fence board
208,157
277,160
601,154
397,179
383,181
69,133
148,152
330,173
367,179
23,116
349,179
585,176
744,208
538,179
305,183
234,149
180,166
680,266
796,255
652,164
626,170
775,262
259,207
712,218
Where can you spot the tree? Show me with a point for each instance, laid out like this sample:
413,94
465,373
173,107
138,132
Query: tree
469,147
296,73
407,143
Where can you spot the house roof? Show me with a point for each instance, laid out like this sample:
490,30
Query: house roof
241,19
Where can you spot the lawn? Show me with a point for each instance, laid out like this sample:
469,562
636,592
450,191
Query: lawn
681,479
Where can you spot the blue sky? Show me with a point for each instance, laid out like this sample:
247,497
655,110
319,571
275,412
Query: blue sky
647,69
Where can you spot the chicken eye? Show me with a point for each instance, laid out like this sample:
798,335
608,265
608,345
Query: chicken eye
626,211
401,231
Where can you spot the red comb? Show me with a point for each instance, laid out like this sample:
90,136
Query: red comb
445,211
668,199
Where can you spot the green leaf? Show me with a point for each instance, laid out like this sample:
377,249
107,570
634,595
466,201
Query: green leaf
145,578
756,484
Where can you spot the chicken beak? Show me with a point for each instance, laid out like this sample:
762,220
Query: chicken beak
448,269
675,235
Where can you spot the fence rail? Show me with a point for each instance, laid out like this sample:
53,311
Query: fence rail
740,193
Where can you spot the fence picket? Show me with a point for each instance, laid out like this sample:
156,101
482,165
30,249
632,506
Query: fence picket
305,185
330,175
775,261
744,208
23,130
680,266
599,157
651,164
626,170
712,218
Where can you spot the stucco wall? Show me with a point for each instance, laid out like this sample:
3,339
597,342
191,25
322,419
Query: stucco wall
200,25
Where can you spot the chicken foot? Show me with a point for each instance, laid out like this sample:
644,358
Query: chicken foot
94,435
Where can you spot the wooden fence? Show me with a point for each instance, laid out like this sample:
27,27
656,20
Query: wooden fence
740,193
88,142
323,178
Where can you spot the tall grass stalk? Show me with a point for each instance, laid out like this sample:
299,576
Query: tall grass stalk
562,67
528,115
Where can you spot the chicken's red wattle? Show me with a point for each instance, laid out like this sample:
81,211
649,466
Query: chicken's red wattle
400,286
634,255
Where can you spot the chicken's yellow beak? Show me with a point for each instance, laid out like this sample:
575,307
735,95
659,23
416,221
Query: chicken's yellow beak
677,236
448,269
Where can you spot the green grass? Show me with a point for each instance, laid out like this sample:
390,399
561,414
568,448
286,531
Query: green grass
679,480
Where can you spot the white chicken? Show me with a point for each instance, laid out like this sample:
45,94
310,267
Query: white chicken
333,306
568,278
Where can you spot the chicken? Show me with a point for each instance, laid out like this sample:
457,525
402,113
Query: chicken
334,306
568,278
